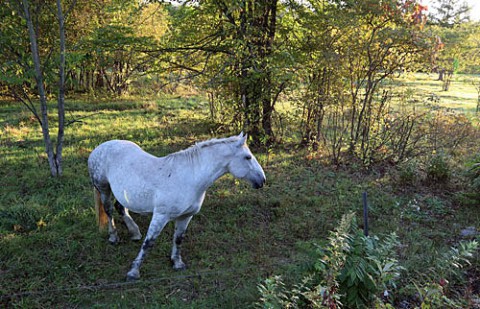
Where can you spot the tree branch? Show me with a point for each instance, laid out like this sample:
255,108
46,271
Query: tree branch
78,120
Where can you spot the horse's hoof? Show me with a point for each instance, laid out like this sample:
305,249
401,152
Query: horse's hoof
179,266
133,275
113,239
132,279
177,263
136,237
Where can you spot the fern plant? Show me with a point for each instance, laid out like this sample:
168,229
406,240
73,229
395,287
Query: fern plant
370,271
432,291
352,270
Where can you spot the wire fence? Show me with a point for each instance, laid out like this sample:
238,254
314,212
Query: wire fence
127,285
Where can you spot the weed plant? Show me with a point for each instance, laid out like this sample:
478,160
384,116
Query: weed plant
351,270
357,271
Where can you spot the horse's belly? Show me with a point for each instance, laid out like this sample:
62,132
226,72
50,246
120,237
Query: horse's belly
166,199
192,207
137,201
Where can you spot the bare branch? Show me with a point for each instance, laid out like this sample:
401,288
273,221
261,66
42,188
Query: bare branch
79,119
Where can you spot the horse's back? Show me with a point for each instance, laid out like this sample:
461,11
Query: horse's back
109,154
130,173
113,148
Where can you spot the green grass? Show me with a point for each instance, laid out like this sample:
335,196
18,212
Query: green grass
462,95
53,256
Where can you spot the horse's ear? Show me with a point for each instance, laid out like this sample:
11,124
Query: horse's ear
242,139
245,138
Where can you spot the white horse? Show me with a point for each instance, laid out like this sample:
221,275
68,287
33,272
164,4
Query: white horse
171,187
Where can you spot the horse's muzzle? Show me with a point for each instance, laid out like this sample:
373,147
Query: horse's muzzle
257,184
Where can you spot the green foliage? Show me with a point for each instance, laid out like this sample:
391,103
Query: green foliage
409,172
118,47
438,169
432,290
369,270
17,76
451,263
355,271
457,48
352,270
448,13
346,102
273,294
473,173
334,62
53,256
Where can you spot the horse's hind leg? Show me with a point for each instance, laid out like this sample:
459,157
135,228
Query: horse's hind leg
107,205
181,225
131,225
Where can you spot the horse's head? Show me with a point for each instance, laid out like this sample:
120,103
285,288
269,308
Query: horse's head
243,164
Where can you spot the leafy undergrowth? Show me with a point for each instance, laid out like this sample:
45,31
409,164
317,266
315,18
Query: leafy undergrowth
53,256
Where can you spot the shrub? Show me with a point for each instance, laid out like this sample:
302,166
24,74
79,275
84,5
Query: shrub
432,291
353,270
369,271
471,196
438,169
409,172
473,174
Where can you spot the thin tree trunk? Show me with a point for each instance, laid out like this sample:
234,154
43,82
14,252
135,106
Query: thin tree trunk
41,90
61,90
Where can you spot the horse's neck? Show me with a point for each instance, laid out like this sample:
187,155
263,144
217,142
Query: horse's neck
211,166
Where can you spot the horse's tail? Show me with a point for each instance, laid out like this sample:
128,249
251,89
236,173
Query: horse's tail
102,218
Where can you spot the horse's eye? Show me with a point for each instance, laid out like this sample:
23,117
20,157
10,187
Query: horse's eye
249,157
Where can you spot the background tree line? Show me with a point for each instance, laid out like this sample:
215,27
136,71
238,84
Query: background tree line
330,59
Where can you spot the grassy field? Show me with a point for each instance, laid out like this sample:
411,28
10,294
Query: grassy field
462,95
53,256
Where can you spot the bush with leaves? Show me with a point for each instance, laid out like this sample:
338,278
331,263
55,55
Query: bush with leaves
356,271
352,270
438,169
370,270
432,288
409,172
473,175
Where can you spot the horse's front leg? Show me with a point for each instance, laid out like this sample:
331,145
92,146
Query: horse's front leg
156,225
181,225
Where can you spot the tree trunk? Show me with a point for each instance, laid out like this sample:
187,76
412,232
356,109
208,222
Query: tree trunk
441,72
269,24
447,78
54,156
257,28
61,90
41,90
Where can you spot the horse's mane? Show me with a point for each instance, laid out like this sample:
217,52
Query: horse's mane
215,141
192,152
